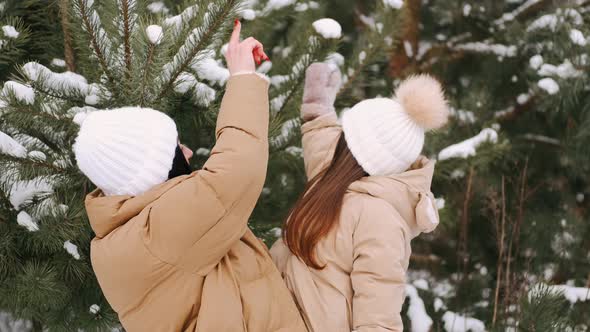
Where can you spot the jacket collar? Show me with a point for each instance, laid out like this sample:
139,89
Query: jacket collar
408,193
107,213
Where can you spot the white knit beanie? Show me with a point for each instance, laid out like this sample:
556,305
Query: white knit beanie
125,151
386,135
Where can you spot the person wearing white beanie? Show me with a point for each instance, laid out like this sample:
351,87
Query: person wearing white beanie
173,249
345,246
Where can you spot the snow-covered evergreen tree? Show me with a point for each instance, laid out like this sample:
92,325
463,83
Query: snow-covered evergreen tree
157,54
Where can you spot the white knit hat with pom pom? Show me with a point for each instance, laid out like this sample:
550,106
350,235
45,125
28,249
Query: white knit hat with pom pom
125,151
386,135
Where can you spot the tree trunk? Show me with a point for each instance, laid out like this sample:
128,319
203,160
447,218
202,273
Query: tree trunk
65,26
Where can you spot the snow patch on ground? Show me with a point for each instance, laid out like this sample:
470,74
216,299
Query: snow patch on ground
468,147
328,28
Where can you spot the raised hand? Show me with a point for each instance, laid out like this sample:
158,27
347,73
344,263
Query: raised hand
241,56
322,82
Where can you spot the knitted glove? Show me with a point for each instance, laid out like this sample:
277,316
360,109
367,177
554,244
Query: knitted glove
322,82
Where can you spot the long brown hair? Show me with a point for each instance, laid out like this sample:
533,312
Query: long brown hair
318,208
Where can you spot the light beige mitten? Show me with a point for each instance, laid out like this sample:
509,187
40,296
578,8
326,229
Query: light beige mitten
322,82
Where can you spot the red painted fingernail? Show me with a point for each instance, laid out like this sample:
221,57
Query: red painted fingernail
236,22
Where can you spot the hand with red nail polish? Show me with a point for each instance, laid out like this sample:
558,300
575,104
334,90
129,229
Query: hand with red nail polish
242,56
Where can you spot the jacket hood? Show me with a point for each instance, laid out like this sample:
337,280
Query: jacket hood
408,192
107,213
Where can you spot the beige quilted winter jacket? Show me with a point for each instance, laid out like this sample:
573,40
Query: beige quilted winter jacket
367,254
180,257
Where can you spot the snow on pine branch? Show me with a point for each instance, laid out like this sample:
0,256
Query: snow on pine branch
64,84
22,93
328,28
100,44
181,21
202,93
484,47
468,147
11,147
508,17
553,21
571,293
10,31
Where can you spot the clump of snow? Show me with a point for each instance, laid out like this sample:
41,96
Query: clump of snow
440,203
25,220
62,81
72,249
395,4
276,232
10,31
278,4
277,102
408,49
564,70
288,127
580,197
294,150
265,67
468,147
158,7
536,61
548,84
202,93
154,34
11,147
248,14
523,98
462,116
497,49
552,21
211,70
58,63
22,192
94,309
22,93
571,293
362,56
328,28
37,155
458,323
203,152
277,80
421,284
438,304
419,318
177,22
466,9
577,37
335,58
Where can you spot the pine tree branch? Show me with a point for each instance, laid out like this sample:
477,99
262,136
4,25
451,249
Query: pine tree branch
144,81
86,21
218,21
125,7
65,26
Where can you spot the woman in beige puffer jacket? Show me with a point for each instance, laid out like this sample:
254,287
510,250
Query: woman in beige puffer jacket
346,248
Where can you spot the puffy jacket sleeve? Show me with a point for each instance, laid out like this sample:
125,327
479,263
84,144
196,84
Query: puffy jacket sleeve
379,269
320,136
196,222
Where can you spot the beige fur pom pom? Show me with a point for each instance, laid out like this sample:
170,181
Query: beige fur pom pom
423,99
